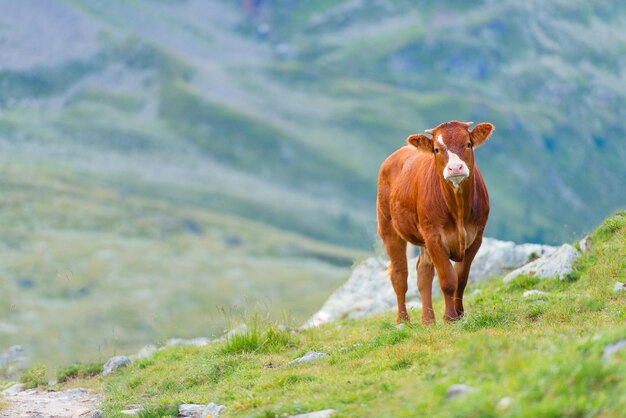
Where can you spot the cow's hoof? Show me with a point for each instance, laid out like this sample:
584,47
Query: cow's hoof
450,318
402,318
428,321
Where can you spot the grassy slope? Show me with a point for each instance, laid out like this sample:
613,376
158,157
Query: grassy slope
543,352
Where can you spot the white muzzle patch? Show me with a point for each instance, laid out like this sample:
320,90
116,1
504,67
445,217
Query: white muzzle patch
456,170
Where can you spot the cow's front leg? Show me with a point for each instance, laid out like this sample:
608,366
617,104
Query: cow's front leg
425,274
462,271
447,277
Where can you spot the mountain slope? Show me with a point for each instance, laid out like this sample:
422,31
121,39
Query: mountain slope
310,97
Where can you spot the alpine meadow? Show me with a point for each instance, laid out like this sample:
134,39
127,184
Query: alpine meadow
200,176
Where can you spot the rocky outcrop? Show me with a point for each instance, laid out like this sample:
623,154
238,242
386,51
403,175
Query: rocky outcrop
368,290
556,264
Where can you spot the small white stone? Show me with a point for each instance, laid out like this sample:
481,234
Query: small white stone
534,292
611,349
309,357
505,402
457,390
326,413
619,287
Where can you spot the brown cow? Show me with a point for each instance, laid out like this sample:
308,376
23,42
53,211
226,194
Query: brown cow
430,193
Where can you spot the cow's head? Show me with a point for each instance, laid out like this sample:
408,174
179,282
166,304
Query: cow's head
452,145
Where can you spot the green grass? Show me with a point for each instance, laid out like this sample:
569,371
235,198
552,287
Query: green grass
543,352
35,376
80,371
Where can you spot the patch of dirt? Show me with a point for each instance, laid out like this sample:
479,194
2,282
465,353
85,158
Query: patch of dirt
32,403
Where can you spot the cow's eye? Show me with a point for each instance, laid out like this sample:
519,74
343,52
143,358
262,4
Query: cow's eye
469,145
436,150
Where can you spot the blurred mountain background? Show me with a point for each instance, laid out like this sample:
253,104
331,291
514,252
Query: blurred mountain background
168,163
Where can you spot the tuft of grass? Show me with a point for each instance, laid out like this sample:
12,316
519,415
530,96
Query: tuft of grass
78,370
35,376
612,225
523,283
487,318
170,411
292,380
260,336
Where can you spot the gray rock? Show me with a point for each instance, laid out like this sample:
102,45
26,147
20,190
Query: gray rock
190,410
458,390
619,287
96,414
496,257
115,363
134,411
534,292
369,291
309,357
611,349
326,413
556,264
200,411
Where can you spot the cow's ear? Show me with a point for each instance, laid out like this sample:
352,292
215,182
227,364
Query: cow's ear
480,133
421,142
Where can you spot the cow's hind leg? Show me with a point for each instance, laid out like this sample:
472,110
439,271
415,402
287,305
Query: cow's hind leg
425,274
398,272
